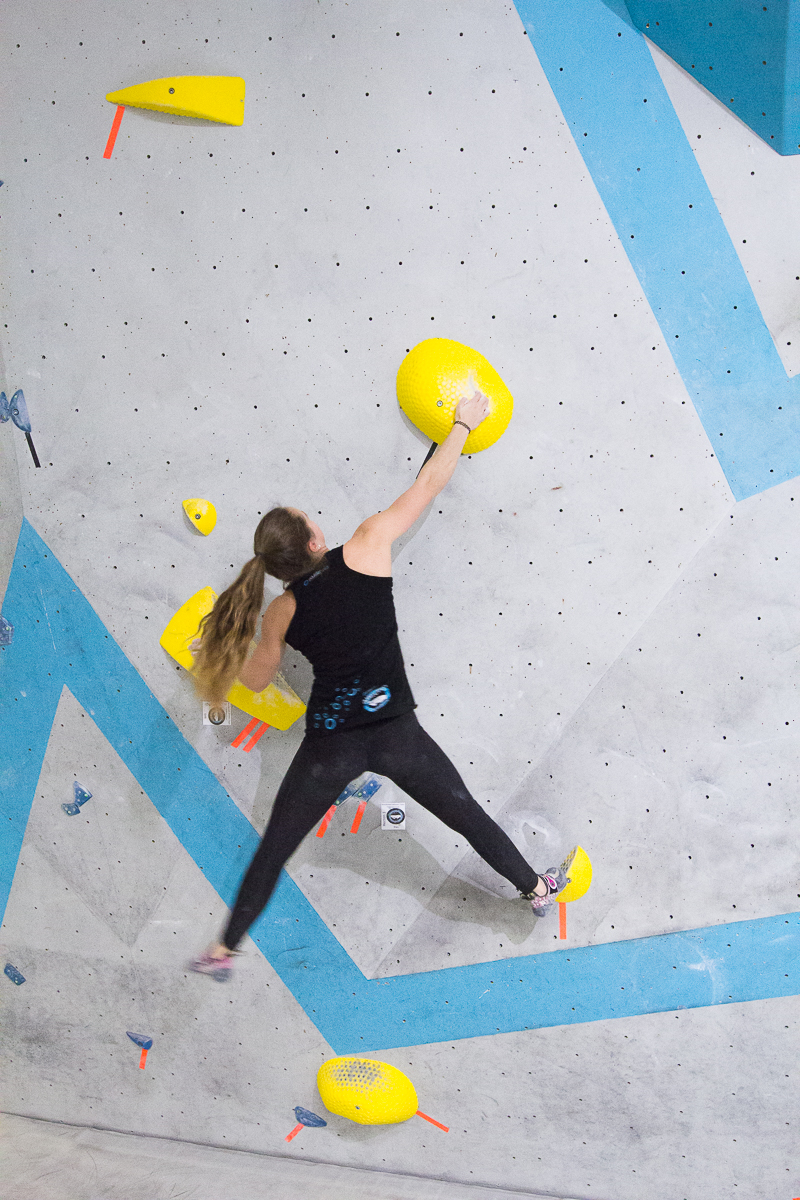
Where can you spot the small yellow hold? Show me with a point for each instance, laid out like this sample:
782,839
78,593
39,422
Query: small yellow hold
201,513
578,867
435,375
366,1091
209,97
278,705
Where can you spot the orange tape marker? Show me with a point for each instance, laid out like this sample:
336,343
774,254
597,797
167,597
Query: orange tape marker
258,733
362,808
237,741
142,1059
562,920
326,820
294,1132
112,137
425,1117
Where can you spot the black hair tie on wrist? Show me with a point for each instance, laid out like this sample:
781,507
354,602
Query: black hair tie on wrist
464,423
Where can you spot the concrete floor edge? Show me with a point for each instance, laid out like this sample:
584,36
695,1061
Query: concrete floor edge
30,1138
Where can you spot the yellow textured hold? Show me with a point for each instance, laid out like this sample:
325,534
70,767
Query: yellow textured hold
432,379
202,514
578,867
211,97
278,705
366,1091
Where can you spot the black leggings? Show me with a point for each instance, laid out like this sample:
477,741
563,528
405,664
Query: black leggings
321,769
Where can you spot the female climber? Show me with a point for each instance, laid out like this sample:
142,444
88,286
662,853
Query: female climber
337,609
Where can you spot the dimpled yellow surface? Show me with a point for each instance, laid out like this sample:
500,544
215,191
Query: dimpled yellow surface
278,705
578,867
366,1091
435,375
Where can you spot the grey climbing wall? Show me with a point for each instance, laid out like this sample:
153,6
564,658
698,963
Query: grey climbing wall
597,632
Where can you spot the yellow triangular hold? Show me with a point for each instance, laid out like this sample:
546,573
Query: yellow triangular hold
211,97
278,705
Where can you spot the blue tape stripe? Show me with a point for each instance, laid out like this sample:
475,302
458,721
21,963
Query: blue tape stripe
59,639
601,72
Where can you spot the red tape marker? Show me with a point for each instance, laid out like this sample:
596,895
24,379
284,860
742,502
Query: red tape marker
438,1124
258,733
142,1059
362,808
237,741
294,1132
112,137
562,920
326,820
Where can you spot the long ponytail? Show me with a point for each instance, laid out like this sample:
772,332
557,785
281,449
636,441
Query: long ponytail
280,549
226,633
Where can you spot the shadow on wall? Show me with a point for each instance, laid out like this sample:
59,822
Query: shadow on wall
400,864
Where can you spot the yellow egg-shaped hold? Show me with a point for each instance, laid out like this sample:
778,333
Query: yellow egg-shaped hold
432,379
577,867
366,1091
201,513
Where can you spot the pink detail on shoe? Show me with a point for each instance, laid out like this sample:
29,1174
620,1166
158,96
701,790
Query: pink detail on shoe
218,968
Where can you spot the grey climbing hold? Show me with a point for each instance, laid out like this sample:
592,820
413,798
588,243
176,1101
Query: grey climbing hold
6,632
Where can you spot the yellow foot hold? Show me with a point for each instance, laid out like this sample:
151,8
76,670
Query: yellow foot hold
201,513
578,867
367,1091
432,379
210,97
277,705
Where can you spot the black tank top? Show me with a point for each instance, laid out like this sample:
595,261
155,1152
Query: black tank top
346,627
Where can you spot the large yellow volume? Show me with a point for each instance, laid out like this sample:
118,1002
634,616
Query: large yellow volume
366,1091
212,97
432,379
278,705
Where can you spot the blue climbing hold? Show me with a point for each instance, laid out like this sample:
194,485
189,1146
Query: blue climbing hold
80,797
6,632
140,1039
80,794
13,974
362,788
5,408
19,412
368,789
308,1118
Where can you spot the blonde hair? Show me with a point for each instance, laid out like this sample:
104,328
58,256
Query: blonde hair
280,548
